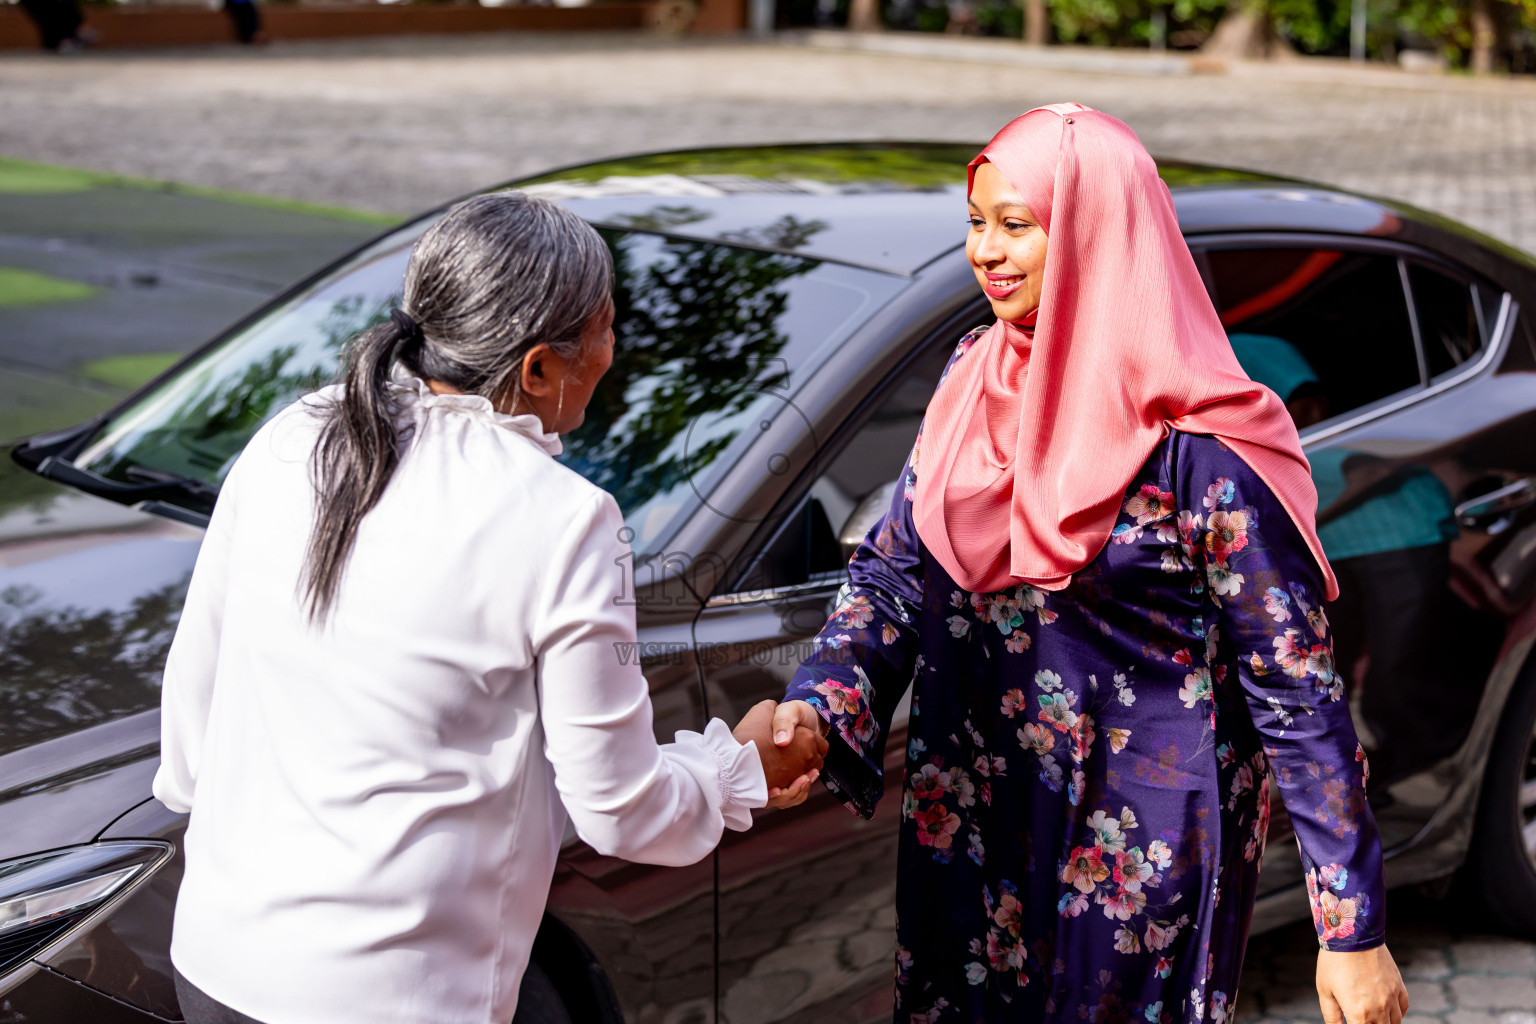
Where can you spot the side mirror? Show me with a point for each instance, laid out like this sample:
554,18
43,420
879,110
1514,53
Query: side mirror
864,517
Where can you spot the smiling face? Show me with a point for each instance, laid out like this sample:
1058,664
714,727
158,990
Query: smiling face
1006,245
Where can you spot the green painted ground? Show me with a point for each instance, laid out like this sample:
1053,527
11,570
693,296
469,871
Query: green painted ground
22,177
29,288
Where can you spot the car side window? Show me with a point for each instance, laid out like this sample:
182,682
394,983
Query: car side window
1328,330
853,488
1452,324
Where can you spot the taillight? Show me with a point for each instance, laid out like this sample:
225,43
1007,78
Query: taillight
44,896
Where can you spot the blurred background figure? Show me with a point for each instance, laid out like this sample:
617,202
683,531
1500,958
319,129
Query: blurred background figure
246,19
962,18
59,23
1387,530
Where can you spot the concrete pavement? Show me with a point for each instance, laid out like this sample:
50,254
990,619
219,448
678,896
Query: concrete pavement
403,123
1455,973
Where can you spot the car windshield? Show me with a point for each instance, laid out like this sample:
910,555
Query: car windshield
710,337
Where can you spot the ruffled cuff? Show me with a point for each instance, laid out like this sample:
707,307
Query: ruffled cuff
743,785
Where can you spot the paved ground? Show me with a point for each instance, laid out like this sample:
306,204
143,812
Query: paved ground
1454,972
397,125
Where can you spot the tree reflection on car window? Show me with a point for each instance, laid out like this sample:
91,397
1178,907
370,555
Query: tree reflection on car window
698,338
236,408
788,232
703,331
63,667
214,422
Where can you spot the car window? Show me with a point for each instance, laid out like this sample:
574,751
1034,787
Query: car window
710,340
1324,327
198,421
854,489
1451,321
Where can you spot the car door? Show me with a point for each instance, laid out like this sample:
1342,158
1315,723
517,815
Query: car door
649,927
1398,370
807,897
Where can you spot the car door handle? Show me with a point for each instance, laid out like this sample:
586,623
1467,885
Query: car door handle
1493,512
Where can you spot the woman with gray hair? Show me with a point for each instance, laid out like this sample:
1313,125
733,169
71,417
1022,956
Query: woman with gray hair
395,674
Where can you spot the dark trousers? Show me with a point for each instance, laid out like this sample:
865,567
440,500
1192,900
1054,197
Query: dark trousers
246,18
56,20
1396,609
198,1007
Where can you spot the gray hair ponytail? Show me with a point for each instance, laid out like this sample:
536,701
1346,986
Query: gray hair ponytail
495,276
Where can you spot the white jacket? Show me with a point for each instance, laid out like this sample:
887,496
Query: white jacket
377,805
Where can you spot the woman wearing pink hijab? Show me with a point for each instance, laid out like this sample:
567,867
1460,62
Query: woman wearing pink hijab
1102,577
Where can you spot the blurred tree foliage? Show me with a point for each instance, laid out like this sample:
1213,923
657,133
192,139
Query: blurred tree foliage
1451,28
1091,22
64,667
1448,28
1314,26
1129,22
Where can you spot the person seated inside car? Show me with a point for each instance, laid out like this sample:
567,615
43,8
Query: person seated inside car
1386,527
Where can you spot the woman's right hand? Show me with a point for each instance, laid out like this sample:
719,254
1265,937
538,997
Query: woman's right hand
791,766
793,714
789,719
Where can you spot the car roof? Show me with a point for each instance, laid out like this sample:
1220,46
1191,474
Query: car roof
887,206
897,206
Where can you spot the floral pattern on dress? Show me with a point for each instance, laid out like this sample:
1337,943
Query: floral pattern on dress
1088,776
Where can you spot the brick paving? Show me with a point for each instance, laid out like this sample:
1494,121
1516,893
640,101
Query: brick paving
1455,972
400,124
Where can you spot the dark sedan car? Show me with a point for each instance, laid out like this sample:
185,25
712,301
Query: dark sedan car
783,317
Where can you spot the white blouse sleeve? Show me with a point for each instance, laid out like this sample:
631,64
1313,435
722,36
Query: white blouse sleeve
627,795
186,689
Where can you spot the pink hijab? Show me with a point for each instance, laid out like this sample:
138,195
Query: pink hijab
1031,442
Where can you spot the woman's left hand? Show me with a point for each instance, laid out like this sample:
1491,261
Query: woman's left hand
1360,988
786,718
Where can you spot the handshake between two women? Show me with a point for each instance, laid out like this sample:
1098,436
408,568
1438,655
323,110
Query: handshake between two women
790,739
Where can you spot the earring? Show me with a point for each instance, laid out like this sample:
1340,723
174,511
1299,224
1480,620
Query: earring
560,404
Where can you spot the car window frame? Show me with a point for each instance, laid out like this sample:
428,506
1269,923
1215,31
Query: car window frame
1478,287
954,326
1494,342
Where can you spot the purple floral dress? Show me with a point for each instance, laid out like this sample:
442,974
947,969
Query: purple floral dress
1089,771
